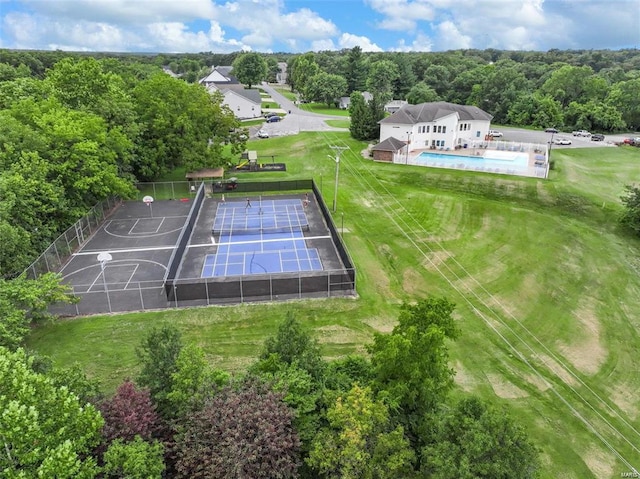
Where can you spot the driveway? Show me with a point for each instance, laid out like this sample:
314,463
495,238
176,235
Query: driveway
296,120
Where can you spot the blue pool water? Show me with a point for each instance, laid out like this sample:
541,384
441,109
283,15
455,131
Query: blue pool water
498,161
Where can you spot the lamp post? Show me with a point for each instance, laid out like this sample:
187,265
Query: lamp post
104,258
406,160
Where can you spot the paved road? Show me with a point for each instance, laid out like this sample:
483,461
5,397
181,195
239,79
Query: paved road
296,120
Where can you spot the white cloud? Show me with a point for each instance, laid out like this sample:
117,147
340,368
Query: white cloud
323,45
125,11
450,37
421,43
176,37
402,15
348,40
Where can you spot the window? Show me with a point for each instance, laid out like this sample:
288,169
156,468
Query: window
444,129
428,128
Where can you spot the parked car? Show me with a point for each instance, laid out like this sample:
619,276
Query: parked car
263,134
495,133
580,133
562,141
550,130
270,114
273,119
597,137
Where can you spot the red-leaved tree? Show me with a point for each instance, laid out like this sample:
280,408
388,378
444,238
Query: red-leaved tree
241,432
129,413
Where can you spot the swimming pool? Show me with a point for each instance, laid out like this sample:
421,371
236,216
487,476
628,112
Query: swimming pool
492,161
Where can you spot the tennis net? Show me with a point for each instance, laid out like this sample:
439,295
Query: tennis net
262,224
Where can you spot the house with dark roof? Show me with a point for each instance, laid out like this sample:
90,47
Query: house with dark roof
243,103
439,125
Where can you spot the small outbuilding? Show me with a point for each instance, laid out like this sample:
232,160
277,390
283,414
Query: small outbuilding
388,149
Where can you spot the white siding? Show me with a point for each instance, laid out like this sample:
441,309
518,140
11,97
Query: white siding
241,106
424,135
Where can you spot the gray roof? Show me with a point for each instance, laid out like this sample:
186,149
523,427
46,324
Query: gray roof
429,112
252,95
390,144
224,69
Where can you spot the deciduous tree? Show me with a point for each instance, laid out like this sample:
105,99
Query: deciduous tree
24,301
411,364
631,201
325,88
293,345
129,413
250,68
360,442
46,432
476,441
241,432
136,459
158,354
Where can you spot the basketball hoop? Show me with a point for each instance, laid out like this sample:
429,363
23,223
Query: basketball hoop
147,201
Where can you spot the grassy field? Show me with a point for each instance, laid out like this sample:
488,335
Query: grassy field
546,287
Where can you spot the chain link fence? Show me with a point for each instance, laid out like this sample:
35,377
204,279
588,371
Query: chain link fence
59,252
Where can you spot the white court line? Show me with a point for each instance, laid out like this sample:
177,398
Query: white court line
304,238
133,227
137,265
160,225
132,250
101,273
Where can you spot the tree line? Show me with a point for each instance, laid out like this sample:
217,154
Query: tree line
292,414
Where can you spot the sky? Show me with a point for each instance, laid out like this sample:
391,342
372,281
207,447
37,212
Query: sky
295,26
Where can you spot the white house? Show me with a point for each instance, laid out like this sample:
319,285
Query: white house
394,105
437,125
345,101
242,102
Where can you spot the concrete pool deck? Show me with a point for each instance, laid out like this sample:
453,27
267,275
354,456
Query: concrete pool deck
497,157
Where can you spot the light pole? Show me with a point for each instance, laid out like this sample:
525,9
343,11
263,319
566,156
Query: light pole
406,161
104,258
338,149
335,190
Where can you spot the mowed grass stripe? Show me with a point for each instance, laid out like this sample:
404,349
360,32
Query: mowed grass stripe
551,362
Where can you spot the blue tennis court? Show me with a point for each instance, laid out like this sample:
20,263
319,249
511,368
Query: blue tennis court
246,248
257,215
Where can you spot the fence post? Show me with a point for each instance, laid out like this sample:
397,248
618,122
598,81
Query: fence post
57,254
141,298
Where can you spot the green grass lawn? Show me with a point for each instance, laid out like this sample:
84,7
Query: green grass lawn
323,109
545,282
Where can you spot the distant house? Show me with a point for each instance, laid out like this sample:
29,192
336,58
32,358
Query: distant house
437,125
394,105
243,103
345,101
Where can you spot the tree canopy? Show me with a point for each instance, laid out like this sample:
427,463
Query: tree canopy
46,431
250,68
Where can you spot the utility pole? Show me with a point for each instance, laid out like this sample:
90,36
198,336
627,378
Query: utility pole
337,149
